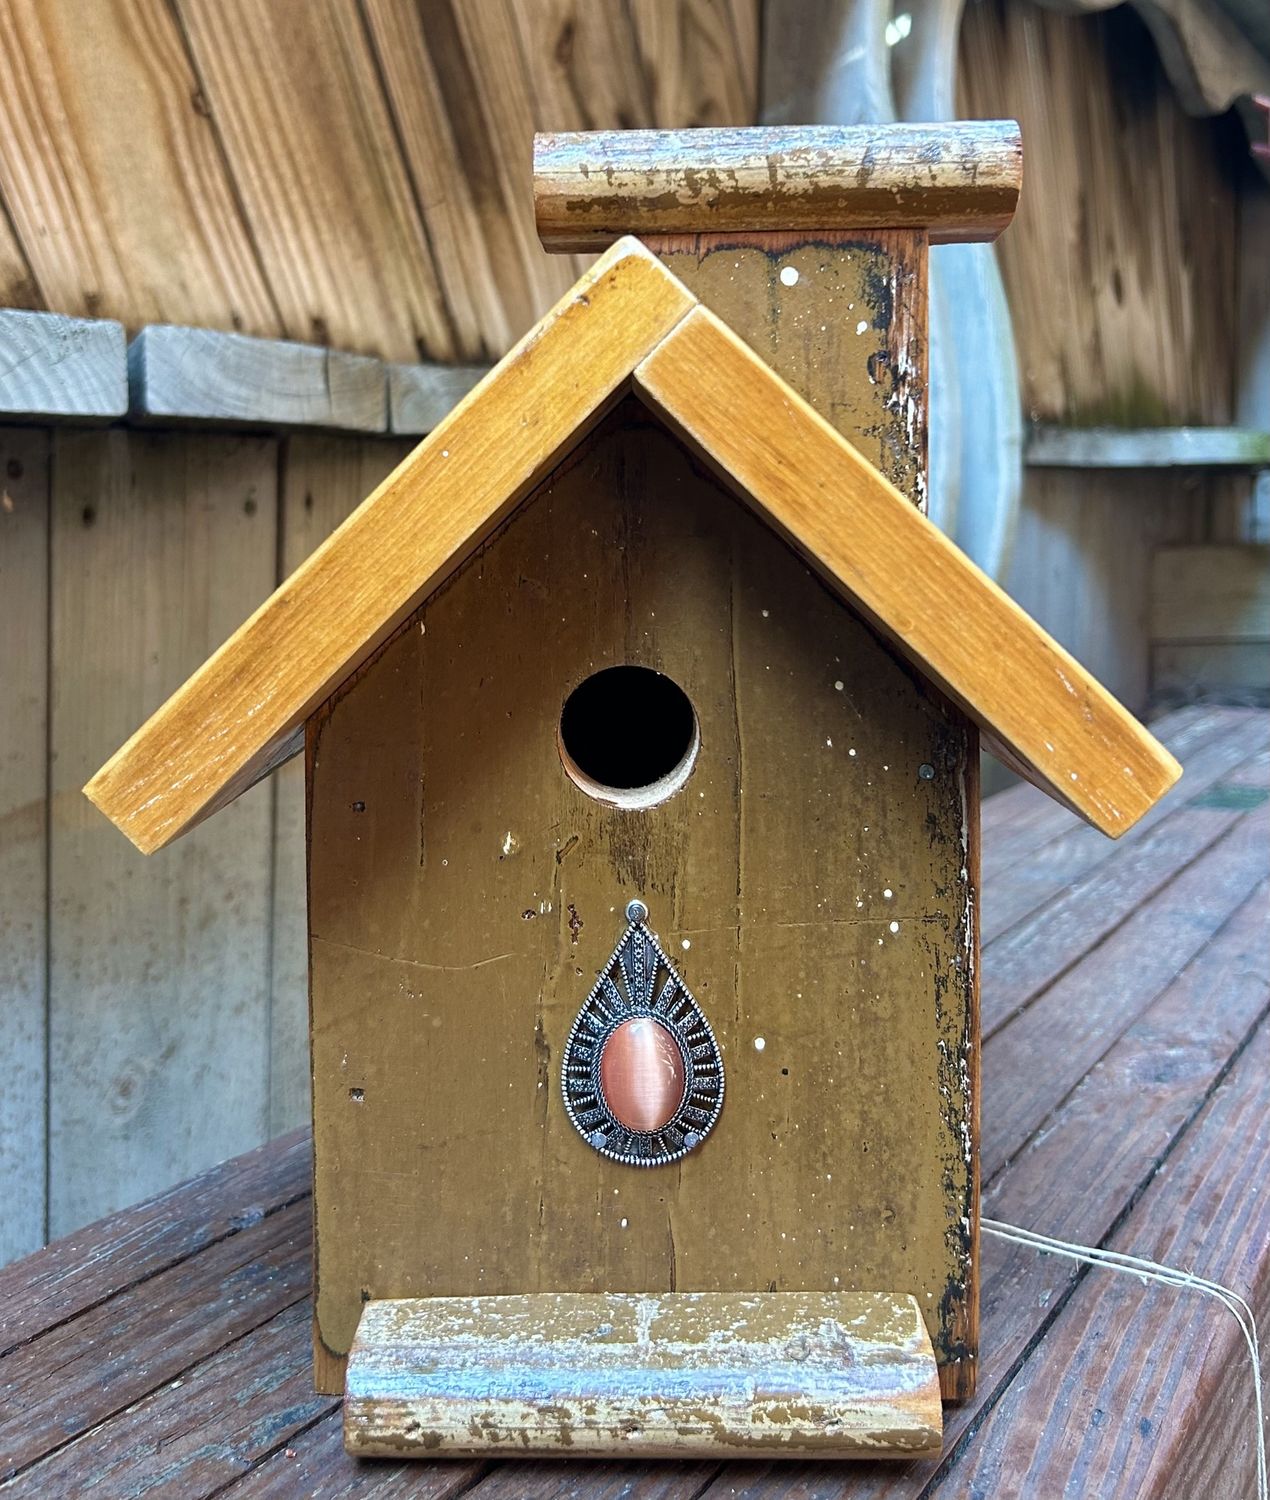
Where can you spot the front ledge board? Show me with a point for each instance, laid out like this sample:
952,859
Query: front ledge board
627,1375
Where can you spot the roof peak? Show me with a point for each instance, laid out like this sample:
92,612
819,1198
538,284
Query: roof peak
629,324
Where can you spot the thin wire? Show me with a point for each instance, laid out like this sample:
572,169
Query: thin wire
1150,1270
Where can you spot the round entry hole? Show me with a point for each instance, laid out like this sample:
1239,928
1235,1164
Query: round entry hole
628,736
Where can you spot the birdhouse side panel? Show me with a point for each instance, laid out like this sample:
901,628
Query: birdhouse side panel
811,881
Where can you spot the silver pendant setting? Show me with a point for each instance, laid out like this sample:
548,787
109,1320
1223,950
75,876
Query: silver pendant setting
642,1074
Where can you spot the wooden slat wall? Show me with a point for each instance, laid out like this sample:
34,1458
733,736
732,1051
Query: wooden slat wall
1120,264
112,175
158,969
347,172
1122,274
154,1014
24,531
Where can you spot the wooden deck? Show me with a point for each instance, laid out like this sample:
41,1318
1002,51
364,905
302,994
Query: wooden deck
1126,991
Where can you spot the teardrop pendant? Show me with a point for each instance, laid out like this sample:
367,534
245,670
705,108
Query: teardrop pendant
642,1075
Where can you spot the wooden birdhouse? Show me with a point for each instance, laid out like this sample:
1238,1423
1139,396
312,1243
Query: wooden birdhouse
641,710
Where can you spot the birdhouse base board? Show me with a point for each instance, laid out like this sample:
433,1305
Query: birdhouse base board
670,1375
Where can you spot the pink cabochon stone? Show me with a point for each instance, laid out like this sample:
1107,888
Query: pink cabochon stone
642,1074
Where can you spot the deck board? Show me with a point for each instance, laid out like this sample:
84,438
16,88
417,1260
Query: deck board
1126,1102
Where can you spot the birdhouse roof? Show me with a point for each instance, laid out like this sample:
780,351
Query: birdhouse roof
629,326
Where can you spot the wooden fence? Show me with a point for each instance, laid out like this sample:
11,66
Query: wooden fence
155,1013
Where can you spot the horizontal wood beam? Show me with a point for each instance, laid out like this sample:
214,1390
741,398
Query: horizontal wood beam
58,368
202,375
1051,447
420,395
673,1375
960,181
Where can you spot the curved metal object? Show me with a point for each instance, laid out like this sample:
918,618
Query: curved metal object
978,388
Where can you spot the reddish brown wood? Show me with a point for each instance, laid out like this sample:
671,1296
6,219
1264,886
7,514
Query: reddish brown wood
102,1259
1166,1372
254,1394
1065,1032
83,1371
1038,951
1036,881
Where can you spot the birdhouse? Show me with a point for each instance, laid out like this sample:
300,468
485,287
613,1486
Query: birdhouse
641,710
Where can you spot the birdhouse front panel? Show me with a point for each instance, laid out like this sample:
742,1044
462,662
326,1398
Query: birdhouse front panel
637,692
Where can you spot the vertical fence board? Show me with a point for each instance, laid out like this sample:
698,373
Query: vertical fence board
23,859
158,1022
1082,562
323,479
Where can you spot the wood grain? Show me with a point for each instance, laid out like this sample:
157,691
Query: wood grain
701,59
76,1273
24,611
324,479
1023,690
606,1375
1031,955
197,375
1045,713
57,367
420,395
958,181
1122,317
1119,1347
447,141
1049,869
1211,594
158,972
255,1389
315,162
215,1297
840,315
1067,1029
469,914
407,537
112,173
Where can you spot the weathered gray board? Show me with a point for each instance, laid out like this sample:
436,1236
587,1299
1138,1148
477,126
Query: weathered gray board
57,367
631,1375
199,375
23,834
1050,447
158,969
420,395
